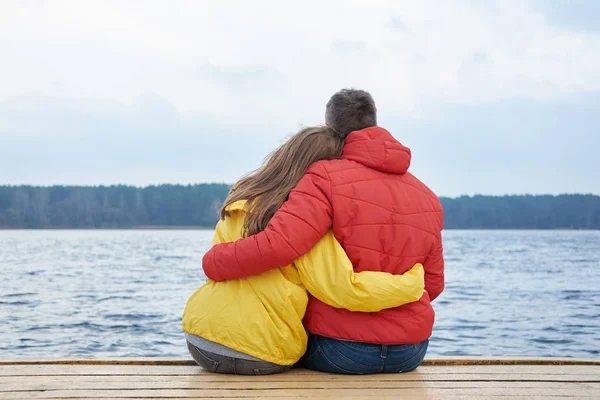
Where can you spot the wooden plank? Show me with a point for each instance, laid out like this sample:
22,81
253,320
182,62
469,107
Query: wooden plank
428,361
350,396
424,392
289,378
252,384
151,370
168,378
344,396
453,361
11,382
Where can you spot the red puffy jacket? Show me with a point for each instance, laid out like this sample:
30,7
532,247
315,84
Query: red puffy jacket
384,218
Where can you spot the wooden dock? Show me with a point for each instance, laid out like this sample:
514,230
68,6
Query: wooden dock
447,378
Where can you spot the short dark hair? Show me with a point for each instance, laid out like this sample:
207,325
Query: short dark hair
350,110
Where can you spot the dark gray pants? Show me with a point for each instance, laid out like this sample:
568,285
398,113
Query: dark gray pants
229,365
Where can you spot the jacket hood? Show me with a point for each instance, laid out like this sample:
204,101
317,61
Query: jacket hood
376,148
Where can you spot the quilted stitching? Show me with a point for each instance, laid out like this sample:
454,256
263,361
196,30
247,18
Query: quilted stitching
385,221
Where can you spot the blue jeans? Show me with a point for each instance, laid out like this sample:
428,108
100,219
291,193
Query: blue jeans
342,357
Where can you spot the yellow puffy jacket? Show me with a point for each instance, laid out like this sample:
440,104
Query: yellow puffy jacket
262,315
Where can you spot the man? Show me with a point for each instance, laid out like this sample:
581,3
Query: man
384,218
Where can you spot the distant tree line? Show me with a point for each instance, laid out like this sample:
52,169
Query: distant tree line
566,211
197,206
110,206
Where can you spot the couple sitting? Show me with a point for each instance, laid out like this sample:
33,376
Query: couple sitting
326,257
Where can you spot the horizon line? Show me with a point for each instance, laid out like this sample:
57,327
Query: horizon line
114,185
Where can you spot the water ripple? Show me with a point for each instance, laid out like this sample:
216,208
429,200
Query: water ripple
121,293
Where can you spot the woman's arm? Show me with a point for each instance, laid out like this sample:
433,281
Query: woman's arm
327,274
294,229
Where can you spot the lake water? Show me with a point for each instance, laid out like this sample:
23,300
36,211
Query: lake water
121,293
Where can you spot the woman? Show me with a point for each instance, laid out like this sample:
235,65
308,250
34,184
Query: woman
254,325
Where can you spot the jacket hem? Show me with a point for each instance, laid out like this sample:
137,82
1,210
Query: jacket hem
257,354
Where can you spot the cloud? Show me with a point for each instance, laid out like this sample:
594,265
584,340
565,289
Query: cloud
348,47
480,57
242,77
119,50
147,91
577,15
146,142
395,23
512,146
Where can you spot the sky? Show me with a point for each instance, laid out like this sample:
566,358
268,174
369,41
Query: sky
493,97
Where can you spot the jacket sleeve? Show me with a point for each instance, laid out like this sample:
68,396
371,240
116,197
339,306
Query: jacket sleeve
294,229
434,271
327,274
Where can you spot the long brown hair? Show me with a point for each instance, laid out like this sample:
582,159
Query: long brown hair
267,188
